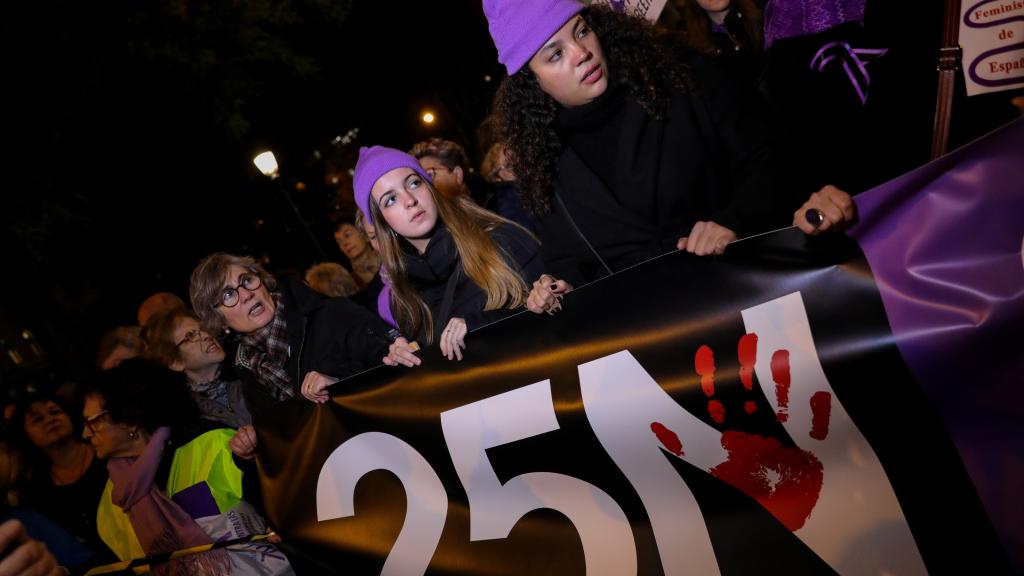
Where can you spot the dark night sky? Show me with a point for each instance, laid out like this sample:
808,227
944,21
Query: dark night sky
139,163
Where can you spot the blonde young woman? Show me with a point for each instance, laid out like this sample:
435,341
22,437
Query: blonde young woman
453,265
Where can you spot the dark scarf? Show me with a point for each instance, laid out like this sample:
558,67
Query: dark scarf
436,264
160,525
265,353
429,272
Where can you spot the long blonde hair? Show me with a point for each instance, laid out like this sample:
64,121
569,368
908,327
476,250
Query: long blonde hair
482,261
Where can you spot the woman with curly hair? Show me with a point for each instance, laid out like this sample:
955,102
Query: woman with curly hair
453,266
625,152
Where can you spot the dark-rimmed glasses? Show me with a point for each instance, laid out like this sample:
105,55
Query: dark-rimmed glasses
229,296
90,419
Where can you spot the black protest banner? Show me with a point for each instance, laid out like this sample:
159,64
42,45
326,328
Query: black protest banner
737,415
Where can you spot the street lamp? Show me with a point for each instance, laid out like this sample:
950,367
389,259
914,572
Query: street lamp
267,164
428,117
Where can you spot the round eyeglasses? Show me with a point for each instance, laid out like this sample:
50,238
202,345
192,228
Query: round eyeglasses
229,296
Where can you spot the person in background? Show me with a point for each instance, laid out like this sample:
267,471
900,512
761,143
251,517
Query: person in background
331,279
175,340
365,262
502,195
730,31
447,165
453,266
118,345
281,336
66,478
173,481
66,549
157,303
382,303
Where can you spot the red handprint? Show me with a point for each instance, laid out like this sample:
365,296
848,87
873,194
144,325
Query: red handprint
785,480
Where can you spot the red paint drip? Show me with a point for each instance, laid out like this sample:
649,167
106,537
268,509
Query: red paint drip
785,481
704,362
717,411
821,410
669,439
749,407
747,353
780,373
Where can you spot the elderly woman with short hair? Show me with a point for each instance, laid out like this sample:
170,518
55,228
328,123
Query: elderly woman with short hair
283,337
175,339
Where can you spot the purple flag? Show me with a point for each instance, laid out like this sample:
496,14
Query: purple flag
945,246
788,18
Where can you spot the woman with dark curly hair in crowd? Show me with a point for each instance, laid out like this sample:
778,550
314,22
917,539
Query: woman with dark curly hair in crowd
626,152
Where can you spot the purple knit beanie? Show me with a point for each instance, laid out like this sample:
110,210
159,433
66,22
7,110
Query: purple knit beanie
520,27
375,162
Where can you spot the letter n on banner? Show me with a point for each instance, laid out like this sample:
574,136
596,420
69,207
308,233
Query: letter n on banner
829,505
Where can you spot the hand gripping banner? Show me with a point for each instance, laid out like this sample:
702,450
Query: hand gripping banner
749,414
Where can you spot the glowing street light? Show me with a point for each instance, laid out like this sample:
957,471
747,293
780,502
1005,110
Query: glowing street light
428,117
267,164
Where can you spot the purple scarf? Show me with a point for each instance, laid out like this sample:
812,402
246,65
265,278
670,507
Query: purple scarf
788,18
159,524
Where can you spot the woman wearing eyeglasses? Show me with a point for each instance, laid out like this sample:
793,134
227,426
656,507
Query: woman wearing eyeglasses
173,481
282,337
66,478
453,266
176,340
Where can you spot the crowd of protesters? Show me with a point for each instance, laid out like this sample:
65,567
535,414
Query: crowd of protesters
616,143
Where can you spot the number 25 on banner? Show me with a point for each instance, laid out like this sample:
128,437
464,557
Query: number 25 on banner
638,423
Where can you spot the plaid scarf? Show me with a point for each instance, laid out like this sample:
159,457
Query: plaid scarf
265,354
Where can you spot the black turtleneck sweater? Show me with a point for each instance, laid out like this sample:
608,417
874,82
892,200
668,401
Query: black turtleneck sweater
635,184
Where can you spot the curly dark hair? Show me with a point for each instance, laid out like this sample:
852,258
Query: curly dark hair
647,63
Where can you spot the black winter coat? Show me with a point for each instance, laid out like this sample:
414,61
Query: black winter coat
333,336
634,185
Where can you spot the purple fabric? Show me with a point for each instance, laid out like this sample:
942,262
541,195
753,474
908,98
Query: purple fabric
160,524
373,163
945,247
852,62
520,27
788,18
197,500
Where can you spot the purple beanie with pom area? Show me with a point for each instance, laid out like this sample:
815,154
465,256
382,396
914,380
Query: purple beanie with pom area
520,27
375,162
